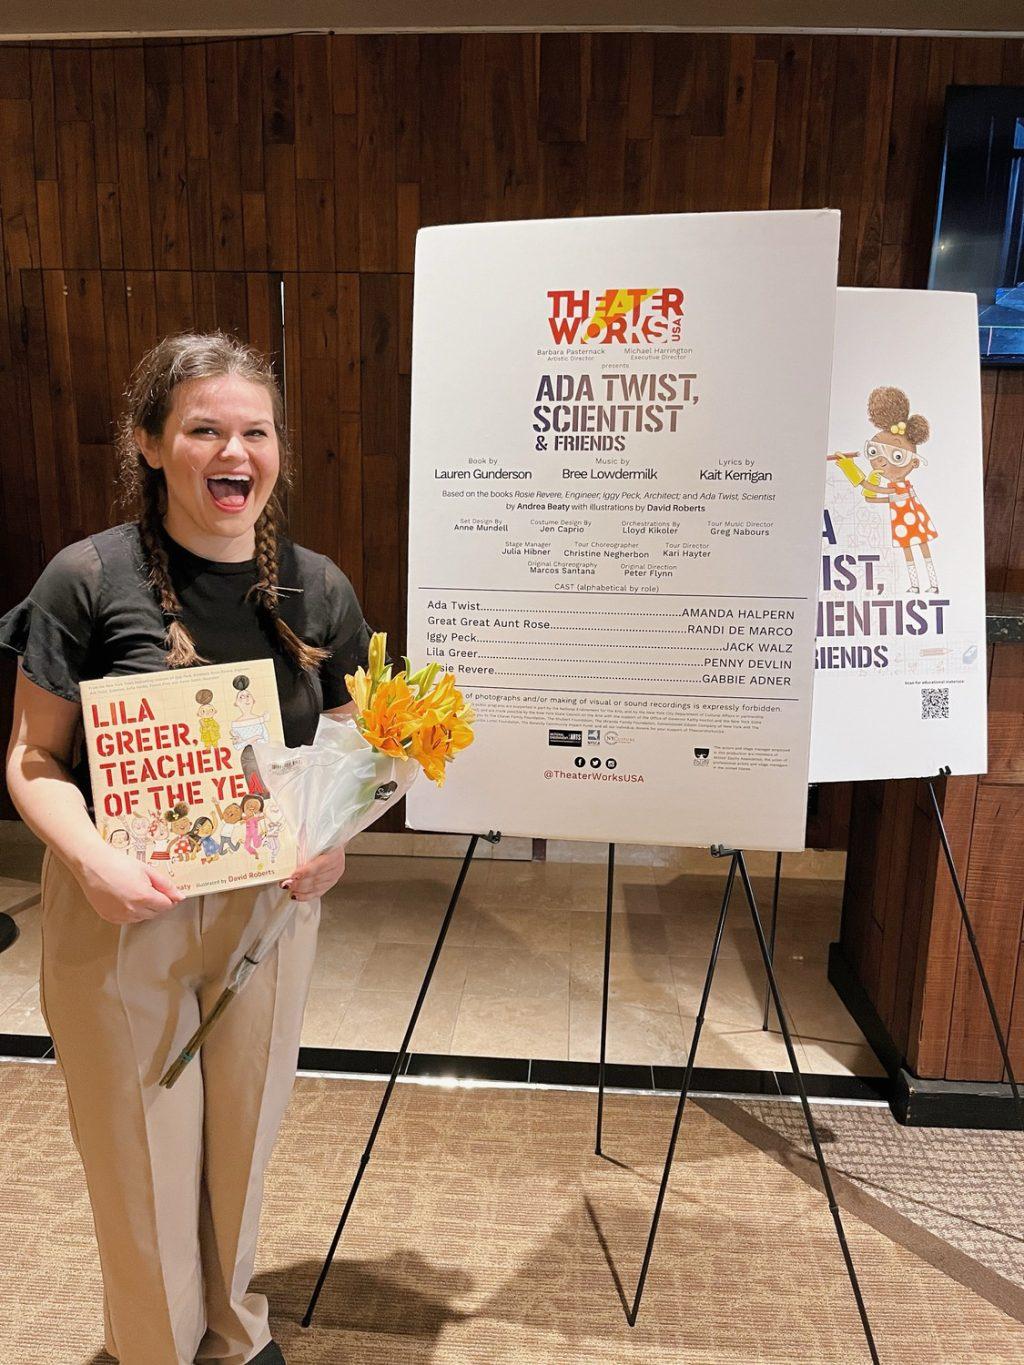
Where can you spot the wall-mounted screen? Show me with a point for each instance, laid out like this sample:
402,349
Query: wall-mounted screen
978,246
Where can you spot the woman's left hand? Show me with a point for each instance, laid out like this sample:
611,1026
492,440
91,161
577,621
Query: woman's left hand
316,877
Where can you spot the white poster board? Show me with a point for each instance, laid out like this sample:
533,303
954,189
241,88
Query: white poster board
900,681
615,519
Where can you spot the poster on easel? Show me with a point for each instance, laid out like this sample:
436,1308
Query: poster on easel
900,679
615,516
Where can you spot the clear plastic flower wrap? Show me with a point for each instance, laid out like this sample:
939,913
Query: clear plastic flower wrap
330,790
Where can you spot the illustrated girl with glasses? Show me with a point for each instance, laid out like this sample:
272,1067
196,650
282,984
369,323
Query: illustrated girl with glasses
892,454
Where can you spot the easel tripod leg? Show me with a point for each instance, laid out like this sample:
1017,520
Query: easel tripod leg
805,1105
631,1313
604,993
400,1058
771,935
969,928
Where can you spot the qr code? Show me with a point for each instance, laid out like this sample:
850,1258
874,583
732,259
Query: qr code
935,703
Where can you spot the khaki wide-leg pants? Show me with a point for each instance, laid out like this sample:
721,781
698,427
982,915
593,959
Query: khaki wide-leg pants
175,1177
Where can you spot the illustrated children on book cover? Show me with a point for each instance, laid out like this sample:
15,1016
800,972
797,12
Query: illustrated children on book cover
175,777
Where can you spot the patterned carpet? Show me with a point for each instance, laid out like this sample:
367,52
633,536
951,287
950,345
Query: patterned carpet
487,1233
954,1196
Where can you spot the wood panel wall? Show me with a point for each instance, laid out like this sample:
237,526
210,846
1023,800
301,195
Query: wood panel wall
902,930
147,187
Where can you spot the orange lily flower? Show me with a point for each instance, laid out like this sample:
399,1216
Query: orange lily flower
429,747
389,720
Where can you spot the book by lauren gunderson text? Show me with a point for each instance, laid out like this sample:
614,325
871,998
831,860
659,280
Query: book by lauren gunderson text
175,780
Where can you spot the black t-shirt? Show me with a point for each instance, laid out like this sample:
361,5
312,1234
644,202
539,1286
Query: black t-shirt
91,614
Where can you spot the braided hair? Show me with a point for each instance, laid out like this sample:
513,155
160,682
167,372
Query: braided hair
148,400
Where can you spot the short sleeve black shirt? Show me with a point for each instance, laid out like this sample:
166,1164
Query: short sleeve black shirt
91,614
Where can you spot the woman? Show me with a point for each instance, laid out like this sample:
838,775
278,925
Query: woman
202,573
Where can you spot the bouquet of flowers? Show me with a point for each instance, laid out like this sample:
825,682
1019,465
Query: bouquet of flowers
355,769
411,715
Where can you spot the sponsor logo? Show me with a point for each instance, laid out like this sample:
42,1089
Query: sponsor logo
615,737
701,757
608,317
593,736
566,739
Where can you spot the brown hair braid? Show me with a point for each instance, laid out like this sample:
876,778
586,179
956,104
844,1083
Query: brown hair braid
148,398
306,656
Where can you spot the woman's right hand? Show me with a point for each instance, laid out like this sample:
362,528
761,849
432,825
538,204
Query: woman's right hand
123,890
43,737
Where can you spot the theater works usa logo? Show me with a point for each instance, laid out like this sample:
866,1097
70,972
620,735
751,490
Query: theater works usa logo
609,317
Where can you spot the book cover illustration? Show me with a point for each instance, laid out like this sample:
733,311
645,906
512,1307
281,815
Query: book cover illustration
175,779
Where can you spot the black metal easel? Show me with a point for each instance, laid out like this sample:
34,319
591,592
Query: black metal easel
604,994
969,927
492,838
737,864
771,937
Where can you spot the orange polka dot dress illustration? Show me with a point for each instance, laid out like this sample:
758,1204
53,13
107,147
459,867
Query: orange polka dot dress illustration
892,453
911,524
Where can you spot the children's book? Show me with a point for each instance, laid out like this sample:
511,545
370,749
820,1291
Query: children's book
175,778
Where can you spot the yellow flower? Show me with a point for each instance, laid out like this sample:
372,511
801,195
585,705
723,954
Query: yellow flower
423,679
429,747
435,700
460,732
434,745
359,688
390,720
377,653
443,701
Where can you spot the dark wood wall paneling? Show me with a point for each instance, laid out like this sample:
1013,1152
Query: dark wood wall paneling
902,930
148,187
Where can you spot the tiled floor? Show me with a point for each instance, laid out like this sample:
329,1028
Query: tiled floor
520,975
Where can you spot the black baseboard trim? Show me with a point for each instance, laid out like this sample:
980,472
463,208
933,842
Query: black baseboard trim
27,1045
916,1101
922,1103
584,1075
543,1072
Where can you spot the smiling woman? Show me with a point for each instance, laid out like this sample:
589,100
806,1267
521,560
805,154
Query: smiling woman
224,465
203,444
202,572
